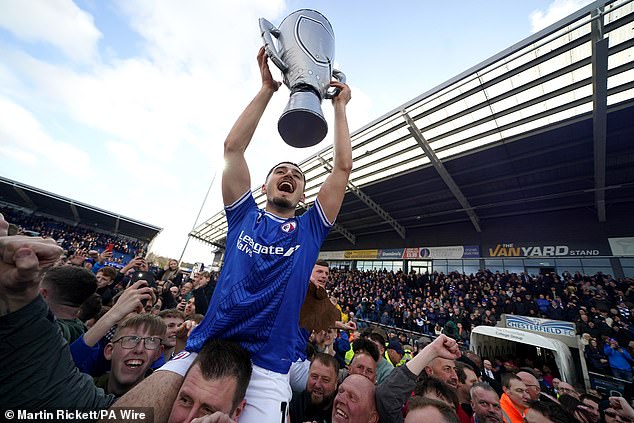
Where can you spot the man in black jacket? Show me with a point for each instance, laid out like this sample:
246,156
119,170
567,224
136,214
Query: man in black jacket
315,403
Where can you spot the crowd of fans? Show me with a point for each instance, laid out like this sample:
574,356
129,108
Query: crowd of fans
121,323
601,306
74,238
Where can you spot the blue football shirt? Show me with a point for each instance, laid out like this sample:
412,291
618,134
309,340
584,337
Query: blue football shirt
263,283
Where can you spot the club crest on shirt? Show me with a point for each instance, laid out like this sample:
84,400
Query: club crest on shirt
289,227
181,355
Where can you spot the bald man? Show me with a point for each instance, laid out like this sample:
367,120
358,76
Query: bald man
355,402
443,370
532,386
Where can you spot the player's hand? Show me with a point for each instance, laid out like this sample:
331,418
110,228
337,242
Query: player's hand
345,94
265,71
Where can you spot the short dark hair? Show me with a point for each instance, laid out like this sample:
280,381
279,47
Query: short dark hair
220,358
367,346
553,411
507,378
69,285
590,397
447,413
327,360
290,163
472,359
322,263
572,405
109,272
438,388
89,308
460,370
171,312
379,339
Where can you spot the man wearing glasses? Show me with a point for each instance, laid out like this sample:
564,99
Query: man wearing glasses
136,344
532,385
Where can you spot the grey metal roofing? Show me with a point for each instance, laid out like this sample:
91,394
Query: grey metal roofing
41,201
543,125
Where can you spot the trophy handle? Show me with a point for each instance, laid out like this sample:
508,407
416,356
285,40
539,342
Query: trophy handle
339,76
268,31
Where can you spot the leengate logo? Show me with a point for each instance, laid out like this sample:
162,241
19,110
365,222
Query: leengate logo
248,245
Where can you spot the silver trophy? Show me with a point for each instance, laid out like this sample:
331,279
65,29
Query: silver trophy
305,53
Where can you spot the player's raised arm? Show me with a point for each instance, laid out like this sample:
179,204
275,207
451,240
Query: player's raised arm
235,177
333,189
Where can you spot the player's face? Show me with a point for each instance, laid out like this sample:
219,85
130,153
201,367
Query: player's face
285,186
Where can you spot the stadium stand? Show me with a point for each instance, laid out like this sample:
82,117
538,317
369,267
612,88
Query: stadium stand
511,165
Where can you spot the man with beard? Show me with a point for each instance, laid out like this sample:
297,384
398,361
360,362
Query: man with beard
485,403
443,370
315,402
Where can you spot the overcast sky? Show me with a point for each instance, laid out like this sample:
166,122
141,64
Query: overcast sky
125,105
